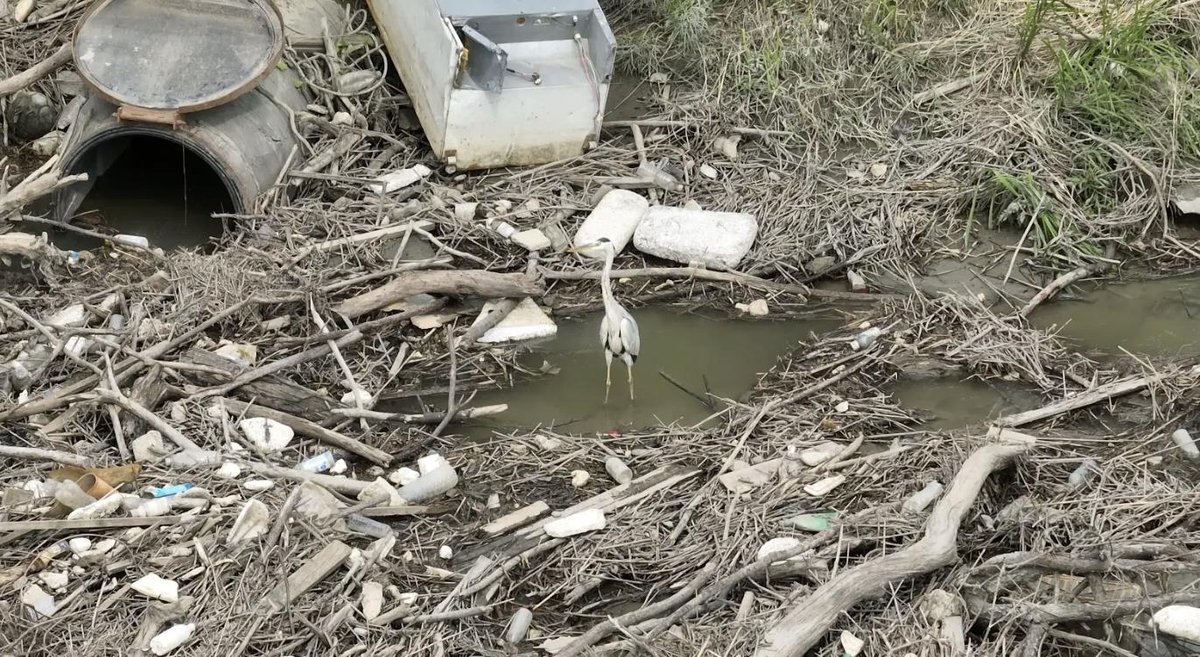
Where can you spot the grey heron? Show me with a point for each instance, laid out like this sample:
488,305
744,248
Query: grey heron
618,330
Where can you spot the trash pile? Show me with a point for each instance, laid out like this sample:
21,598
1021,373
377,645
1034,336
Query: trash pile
256,448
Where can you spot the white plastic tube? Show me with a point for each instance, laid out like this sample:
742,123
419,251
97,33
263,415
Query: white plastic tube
1186,445
171,638
435,483
924,497
518,627
576,523
618,470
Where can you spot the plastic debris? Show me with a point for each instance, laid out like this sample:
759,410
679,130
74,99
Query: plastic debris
518,626
229,471
371,600
167,491
101,508
866,338
266,434
148,447
580,478
617,469
431,484
159,588
777,546
1181,621
446,552
812,522
404,476
921,499
171,638
1083,474
576,523
339,466
716,239
851,645
615,217
396,180
258,485
820,453
532,240
526,322
1184,441
319,463
824,486
56,580
357,523
80,544
38,600
152,508
252,522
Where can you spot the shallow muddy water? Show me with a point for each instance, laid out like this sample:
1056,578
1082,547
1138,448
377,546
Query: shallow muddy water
953,404
1154,318
723,356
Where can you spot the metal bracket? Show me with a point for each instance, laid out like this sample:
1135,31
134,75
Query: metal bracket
489,61
145,115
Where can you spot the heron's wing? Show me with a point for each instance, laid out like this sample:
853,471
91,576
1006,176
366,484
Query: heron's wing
605,333
631,338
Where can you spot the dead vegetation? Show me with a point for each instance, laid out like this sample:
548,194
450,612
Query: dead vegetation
874,134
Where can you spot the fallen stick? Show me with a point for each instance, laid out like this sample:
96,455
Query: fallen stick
124,370
25,245
257,373
90,523
37,71
945,89
497,315
275,391
1059,283
359,238
605,628
149,417
433,417
680,273
310,429
463,282
1102,393
801,628
34,453
332,482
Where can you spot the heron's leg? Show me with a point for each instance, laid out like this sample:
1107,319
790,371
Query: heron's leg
629,374
607,373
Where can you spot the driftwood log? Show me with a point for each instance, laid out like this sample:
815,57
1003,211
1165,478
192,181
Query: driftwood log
803,626
471,282
274,391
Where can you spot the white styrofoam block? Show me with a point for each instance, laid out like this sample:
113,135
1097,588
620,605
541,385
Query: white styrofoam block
716,239
1179,620
616,217
525,322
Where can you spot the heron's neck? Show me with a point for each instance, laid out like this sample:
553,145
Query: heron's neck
610,302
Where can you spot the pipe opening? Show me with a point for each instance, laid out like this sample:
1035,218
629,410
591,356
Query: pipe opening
145,185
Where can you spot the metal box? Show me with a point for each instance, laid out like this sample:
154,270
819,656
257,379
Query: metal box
502,82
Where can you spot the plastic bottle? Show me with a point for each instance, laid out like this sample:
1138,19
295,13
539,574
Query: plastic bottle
659,177
428,486
518,627
866,338
576,523
1186,445
924,497
317,464
395,180
1083,473
170,639
152,508
618,470
360,524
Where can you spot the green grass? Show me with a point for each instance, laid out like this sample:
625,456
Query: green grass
1134,82
1018,198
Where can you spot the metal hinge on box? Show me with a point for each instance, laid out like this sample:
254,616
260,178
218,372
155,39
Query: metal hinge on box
170,117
